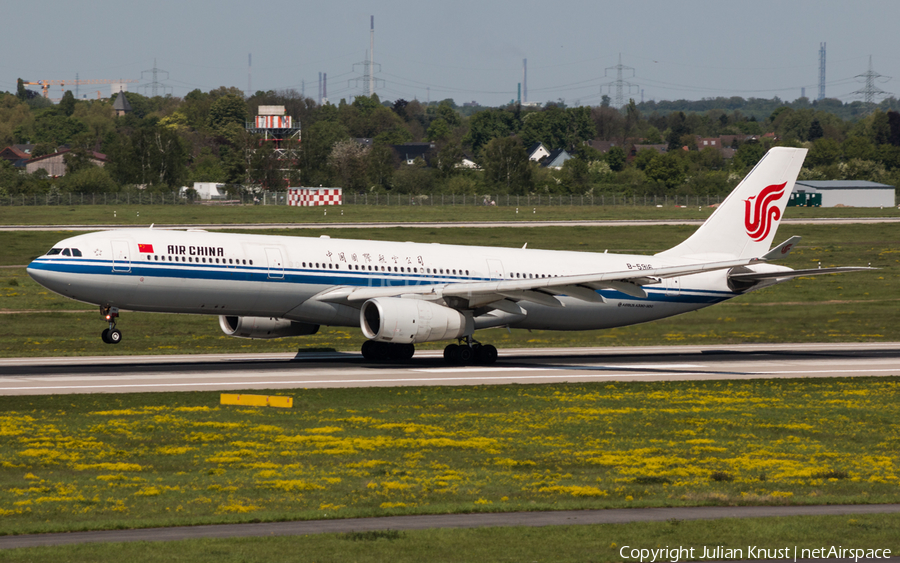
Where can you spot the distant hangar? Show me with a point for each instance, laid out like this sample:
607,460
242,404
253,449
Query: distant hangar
842,193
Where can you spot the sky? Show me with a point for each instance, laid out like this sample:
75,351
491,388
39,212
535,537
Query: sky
466,50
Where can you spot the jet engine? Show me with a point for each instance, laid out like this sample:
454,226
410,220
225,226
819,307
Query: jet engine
264,327
407,321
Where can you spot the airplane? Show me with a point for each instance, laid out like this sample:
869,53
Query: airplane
402,293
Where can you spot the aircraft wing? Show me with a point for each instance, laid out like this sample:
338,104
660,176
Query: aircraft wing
537,290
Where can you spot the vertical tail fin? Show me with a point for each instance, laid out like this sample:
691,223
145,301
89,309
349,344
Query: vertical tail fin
745,223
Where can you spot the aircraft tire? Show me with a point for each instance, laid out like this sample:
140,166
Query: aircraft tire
115,336
465,355
451,353
381,351
368,350
104,336
486,355
402,352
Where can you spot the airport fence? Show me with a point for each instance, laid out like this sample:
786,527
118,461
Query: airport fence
376,199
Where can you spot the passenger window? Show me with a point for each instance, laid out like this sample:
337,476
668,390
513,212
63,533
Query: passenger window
251,262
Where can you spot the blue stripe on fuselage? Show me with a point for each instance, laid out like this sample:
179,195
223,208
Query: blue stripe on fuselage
325,277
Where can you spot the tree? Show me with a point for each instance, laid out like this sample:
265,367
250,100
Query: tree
557,127
93,179
318,141
381,165
67,104
824,152
616,158
228,109
149,155
489,124
815,130
438,130
748,155
21,92
506,165
666,169
894,126
348,159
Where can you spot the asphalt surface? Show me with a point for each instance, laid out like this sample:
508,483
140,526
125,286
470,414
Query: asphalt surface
131,374
422,522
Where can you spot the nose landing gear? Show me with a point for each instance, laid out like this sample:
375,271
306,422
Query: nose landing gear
111,335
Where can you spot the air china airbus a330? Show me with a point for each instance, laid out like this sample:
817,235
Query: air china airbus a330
400,293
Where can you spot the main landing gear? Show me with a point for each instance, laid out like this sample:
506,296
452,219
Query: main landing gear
384,351
470,352
111,335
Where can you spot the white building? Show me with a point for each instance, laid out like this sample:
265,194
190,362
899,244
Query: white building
208,190
849,193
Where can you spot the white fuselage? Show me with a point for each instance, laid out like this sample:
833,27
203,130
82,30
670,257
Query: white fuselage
198,272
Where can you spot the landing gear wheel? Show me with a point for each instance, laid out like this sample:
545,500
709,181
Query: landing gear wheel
450,353
465,355
401,352
368,350
105,336
114,336
486,355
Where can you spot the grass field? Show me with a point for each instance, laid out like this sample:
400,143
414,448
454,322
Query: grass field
205,214
837,308
556,544
78,462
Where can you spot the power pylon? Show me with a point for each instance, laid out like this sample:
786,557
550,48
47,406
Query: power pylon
620,84
155,85
870,91
369,67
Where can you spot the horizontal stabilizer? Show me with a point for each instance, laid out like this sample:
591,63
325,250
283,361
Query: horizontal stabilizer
782,250
789,274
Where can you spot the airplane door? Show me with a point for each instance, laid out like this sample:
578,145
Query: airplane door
121,260
495,269
673,286
276,264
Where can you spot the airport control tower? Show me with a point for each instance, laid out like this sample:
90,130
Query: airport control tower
280,139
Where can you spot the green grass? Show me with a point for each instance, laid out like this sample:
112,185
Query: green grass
837,308
557,544
79,462
144,215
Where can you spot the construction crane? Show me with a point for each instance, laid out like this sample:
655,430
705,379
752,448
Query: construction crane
46,84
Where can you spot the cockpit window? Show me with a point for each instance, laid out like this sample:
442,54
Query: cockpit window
54,251
76,252
66,252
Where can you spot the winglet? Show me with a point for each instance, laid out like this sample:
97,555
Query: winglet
782,250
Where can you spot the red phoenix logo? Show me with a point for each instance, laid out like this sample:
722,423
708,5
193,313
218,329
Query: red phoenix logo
758,215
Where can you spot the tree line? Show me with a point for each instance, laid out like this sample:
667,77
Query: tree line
168,142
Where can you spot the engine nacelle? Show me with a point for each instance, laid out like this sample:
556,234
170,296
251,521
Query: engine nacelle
407,321
264,327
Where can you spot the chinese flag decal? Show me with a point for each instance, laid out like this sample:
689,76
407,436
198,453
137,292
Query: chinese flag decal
145,248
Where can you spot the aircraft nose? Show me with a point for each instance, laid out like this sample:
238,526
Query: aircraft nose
42,274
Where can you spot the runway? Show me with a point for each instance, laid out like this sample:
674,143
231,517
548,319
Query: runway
133,374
